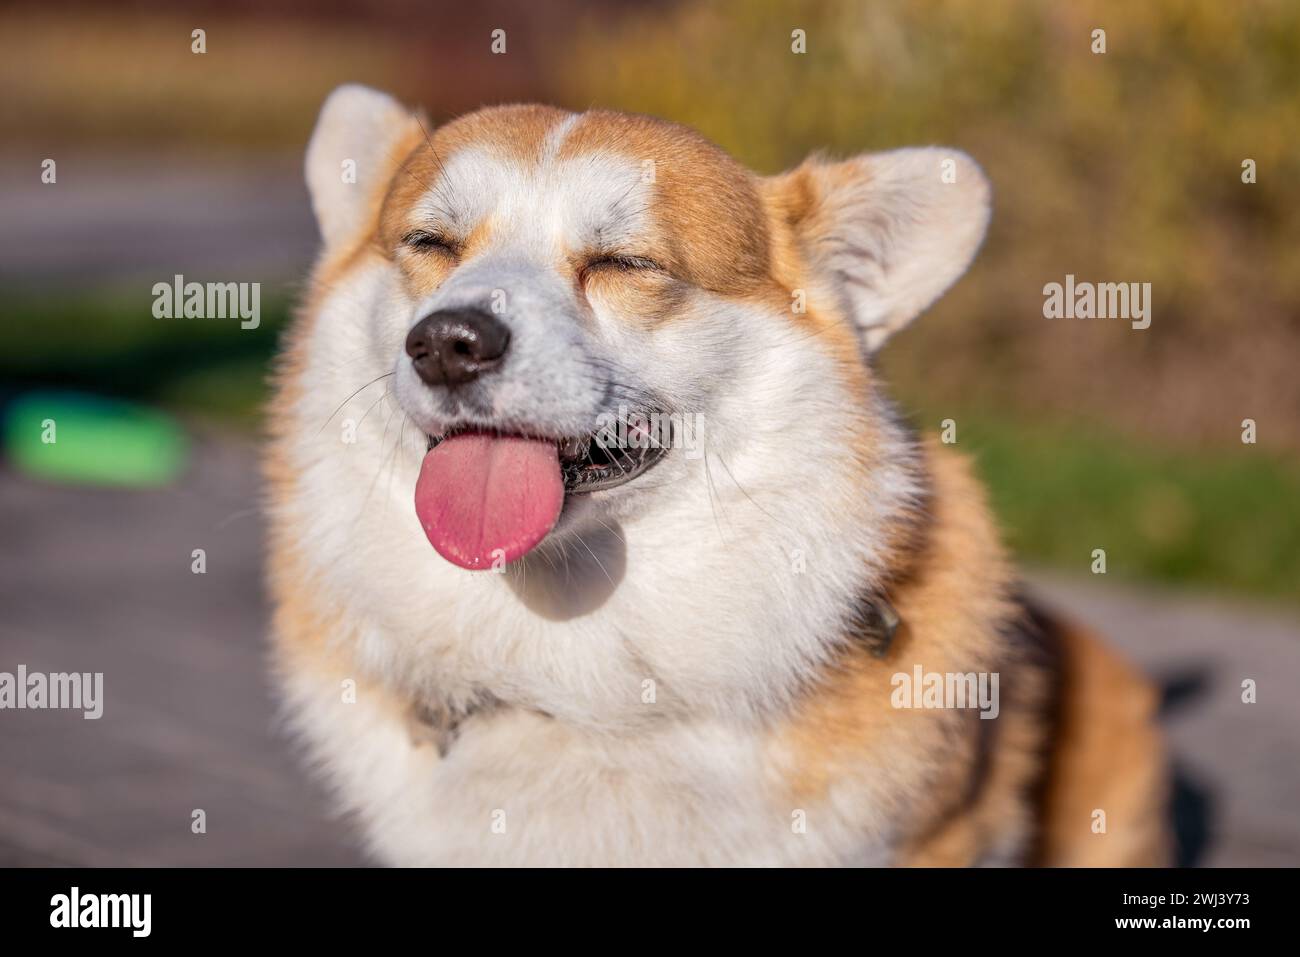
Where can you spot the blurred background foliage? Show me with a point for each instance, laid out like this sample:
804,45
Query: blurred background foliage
1123,167
1117,167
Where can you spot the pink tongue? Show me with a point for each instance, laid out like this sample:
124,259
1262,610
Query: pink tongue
488,498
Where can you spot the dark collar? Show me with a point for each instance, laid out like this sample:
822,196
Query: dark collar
874,624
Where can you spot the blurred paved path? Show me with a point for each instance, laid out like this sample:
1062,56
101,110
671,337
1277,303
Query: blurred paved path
122,219
100,581
1237,765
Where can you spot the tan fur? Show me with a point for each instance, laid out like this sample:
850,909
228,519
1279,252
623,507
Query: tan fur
949,607
1075,731
1107,756
972,787
981,782
713,231
951,602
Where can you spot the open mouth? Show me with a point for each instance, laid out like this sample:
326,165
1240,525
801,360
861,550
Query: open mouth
486,498
598,460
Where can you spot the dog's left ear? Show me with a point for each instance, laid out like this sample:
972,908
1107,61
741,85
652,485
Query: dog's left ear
353,154
887,233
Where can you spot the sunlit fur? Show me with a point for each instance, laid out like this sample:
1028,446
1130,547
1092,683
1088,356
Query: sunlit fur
673,677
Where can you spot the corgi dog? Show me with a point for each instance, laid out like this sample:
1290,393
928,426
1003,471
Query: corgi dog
594,541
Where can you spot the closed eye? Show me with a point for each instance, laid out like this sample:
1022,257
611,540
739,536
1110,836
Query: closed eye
425,241
625,263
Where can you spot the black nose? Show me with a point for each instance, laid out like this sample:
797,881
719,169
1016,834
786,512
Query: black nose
453,346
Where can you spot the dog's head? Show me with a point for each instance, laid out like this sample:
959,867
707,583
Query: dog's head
580,309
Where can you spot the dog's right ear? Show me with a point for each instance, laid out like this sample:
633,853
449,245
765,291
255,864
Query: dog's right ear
354,151
887,232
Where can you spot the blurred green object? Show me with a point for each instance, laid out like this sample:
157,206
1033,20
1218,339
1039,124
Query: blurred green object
84,439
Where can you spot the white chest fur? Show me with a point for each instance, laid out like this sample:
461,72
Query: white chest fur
518,788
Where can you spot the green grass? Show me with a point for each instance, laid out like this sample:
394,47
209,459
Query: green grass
1227,519
110,342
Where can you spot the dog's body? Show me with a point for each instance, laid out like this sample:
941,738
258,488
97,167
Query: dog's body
690,667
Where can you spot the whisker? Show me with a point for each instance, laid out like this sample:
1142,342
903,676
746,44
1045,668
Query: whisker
371,409
398,450
379,469
350,398
732,476
593,555
612,532
708,477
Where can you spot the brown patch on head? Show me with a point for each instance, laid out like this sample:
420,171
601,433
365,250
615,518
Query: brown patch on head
516,132
712,226
710,223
